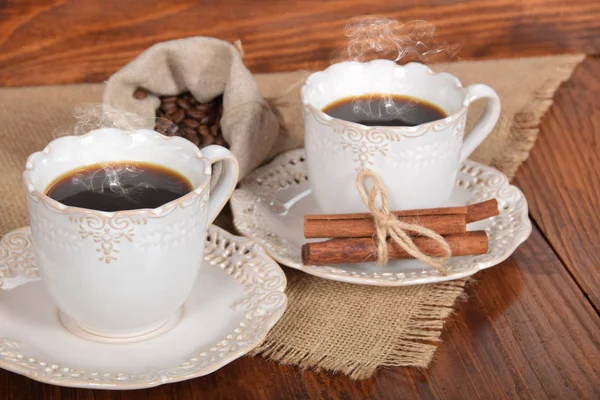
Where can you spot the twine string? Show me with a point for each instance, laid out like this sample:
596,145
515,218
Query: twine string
387,224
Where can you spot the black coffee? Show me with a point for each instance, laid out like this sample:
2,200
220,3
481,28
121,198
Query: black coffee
384,110
119,186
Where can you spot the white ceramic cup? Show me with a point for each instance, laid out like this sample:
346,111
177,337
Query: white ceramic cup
418,164
122,276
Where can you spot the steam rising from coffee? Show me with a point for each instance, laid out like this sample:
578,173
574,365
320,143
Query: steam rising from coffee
380,107
93,116
377,37
111,180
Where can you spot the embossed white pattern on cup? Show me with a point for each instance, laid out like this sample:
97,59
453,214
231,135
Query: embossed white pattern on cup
123,274
418,164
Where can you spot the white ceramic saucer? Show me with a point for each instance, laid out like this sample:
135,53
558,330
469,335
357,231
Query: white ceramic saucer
270,205
237,299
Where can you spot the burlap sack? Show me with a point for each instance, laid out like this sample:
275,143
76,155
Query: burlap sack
207,67
352,329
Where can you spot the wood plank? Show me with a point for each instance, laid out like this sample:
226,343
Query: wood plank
561,178
64,41
526,331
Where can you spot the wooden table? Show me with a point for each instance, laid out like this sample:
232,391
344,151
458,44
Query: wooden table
530,327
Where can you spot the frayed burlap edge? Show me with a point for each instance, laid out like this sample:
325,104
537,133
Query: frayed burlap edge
525,124
415,348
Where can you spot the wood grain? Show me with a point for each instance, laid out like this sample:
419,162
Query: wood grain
513,338
64,41
561,178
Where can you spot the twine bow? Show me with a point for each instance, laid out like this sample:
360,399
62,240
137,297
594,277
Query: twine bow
387,224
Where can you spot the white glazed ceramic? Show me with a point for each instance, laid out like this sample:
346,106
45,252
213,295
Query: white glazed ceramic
270,205
237,298
418,164
123,275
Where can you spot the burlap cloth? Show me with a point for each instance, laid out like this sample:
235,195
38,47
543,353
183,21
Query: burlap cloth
335,326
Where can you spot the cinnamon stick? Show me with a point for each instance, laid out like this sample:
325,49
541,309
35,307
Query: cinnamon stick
483,210
446,220
355,250
405,213
365,227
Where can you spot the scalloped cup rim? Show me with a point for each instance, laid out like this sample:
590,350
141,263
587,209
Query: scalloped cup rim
310,81
36,157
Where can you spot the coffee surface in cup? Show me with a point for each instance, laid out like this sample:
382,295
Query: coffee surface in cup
384,110
118,186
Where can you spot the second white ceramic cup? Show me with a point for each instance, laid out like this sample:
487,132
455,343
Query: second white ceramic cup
417,164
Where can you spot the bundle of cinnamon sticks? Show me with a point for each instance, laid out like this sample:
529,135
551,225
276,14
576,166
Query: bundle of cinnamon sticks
352,234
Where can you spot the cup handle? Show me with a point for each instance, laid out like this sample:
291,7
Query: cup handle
223,189
486,122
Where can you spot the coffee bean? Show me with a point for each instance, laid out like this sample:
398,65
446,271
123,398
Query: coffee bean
192,123
191,135
178,116
220,141
189,131
183,103
203,130
140,94
196,114
214,130
168,106
202,107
